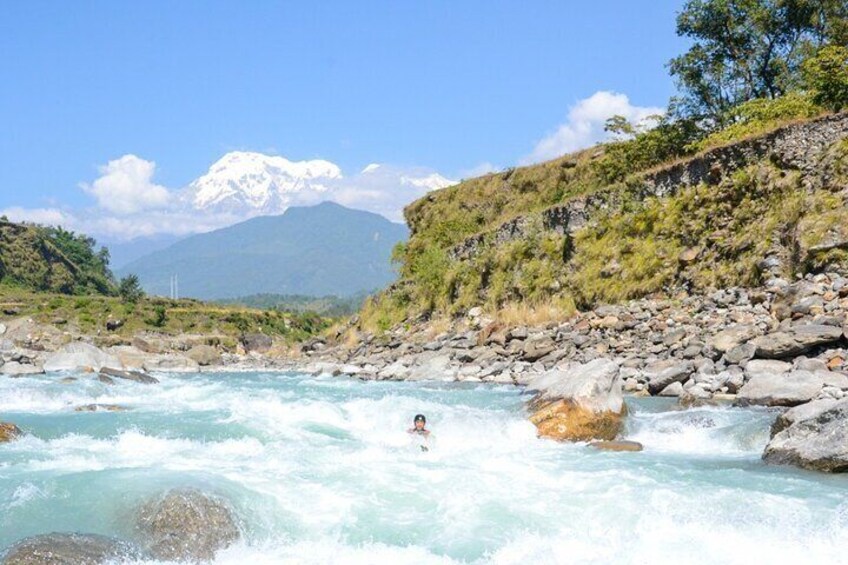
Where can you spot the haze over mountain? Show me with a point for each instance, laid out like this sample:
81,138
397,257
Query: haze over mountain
320,250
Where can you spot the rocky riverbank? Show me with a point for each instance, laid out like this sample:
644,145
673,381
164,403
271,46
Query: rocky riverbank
781,345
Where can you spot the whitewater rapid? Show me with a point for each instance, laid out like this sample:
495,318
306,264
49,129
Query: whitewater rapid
320,470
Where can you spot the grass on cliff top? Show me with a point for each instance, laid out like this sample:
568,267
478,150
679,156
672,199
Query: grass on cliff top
88,315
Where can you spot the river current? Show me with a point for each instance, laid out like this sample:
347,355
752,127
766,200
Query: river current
321,470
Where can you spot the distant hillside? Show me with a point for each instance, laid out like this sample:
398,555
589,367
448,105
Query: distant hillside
52,259
331,306
318,251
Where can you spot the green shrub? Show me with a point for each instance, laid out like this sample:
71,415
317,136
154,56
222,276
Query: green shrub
826,75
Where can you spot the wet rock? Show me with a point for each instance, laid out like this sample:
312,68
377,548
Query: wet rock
787,389
204,355
816,438
71,549
101,408
621,445
186,525
9,432
106,379
80,356
579,402
136,376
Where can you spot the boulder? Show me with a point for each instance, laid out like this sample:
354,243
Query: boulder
204,355
148,344
663,373
9,431
787,389
726,340
66,549
675,389
434,367
172,363
80,356
741,353
260,343
136,376
186,525
816,439
766,367
535,349
578,402
620,445
796,340
17,369
800,412
130,356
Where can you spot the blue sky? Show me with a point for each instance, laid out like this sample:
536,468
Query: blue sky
445,85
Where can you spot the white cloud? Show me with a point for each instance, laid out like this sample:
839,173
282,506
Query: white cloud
49,216
585,124
125,186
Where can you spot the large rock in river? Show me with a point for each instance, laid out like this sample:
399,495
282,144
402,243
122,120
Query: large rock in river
81,356
67,549
816,438
579,403
186,525
171,363
780,389
9,431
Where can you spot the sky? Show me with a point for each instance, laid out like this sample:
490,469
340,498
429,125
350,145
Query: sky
454,87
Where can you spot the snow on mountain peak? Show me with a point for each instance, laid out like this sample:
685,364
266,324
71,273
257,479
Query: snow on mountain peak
242,180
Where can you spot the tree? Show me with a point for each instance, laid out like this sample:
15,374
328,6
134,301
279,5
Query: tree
747,49
130,289
826,76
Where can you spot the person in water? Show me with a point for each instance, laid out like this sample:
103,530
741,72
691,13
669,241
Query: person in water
419,427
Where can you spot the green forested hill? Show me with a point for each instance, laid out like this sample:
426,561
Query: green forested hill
52,259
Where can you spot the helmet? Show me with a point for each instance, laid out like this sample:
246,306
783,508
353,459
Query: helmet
419,418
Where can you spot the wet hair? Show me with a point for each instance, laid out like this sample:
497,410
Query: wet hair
419,417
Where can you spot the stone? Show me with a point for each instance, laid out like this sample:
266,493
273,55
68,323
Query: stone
579,402
148,344
186,525
620,445
741,353
663,373
67,549
105,380
9,431
535,349
787,389
16,369
204,355
170,363
257,342
131,357
136,376
726,340
674,389
80,356
435,367
815,438
795,341
767,367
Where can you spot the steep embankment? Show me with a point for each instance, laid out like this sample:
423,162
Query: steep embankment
51,259
771,205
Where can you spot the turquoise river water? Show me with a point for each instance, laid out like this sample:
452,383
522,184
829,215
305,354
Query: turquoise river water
320,470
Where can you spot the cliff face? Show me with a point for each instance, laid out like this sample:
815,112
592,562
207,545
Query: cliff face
771,205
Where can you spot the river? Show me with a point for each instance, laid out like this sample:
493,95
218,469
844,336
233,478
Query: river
321,470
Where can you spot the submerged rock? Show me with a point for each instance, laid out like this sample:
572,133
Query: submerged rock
101,407
186,525
67,549
136,376
579,403
621,445
80,356
815,438
9,431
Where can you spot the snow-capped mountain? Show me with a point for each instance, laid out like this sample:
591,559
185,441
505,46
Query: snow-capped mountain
242,181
